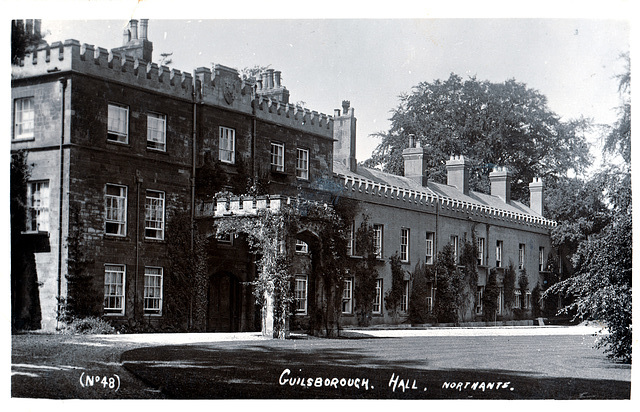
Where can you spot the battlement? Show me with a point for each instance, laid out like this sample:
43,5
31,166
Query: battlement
500,170
241,206
224,87
429,200
99,62
457,160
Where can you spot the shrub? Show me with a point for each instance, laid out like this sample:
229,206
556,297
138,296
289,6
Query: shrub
91,325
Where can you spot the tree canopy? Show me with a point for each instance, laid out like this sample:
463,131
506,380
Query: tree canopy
492,124
596,227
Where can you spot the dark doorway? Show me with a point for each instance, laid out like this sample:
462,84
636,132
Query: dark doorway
224,304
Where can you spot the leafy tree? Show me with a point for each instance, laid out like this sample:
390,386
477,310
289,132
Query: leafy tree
450,295
25,297
505,124
523,282
600,284
536,294
365,272
618,139
469,263
418,310
508,285
23,37
393,297
490,297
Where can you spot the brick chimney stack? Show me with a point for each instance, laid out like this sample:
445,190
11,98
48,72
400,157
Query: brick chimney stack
500,179
344,135
415,161
458,173
536,195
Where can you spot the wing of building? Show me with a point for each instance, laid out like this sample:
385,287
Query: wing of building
120,146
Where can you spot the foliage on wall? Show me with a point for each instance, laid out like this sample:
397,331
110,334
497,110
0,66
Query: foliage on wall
365,272
185,304
509,286
25,298
271,237
490,297
421,279
450,292
393,297
469,264
83,297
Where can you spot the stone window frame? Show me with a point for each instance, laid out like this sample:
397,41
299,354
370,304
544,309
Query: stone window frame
499,252
116,131
347,296
302,164
376,308
38,207
301,246
521,255
301,294
227,145
277,157
152,142
378,246
429,248
120,208
154,214
19,121
404,301
480,243
153,290
114,289
405,242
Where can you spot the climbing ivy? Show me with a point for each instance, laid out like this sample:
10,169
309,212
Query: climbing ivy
393,297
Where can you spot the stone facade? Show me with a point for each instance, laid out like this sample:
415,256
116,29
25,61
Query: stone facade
291,150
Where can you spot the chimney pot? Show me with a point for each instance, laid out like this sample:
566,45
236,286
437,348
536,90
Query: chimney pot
345,106
269,78
276,75
134,29
144,25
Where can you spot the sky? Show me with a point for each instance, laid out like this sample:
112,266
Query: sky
329,55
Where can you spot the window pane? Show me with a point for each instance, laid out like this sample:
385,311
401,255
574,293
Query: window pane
156,131
117,123
115,210
227,145
154,215
24,118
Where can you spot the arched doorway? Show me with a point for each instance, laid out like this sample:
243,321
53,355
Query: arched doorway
223,313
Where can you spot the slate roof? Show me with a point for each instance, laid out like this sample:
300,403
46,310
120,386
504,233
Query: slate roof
439,189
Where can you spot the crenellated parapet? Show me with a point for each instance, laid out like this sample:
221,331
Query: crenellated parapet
297,117
428,199
223,87
97,61
241,206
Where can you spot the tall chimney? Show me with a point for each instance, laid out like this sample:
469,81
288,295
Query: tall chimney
536,195
500,180
458,173
144,24
134,29
138,48
415,161
344,135
269,78
276,78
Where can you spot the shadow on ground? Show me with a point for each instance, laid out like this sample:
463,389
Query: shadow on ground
261,371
